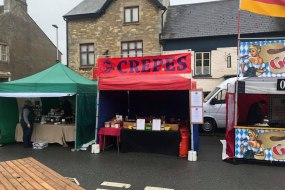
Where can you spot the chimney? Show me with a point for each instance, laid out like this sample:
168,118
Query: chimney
9,5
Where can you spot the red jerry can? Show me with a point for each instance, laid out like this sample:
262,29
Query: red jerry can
184,143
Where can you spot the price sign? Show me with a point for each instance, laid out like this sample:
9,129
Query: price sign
196,106
280,84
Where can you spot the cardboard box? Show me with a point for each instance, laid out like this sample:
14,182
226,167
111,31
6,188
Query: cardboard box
128,124
173,127
107,124
116,124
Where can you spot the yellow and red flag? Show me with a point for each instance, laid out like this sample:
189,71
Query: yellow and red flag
274,8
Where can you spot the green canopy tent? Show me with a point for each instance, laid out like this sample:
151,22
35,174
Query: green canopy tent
56,81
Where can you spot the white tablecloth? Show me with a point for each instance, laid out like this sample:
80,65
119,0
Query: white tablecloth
49,133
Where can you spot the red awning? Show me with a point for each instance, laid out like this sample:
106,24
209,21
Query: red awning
147,82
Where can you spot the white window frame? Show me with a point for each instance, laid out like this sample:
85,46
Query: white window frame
131,14
3,56
203,59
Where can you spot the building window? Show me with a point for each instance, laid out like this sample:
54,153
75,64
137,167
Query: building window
4,79
4,53
202,63
131,14
132,49
229,61
87,55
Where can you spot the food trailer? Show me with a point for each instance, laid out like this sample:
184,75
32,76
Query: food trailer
264,140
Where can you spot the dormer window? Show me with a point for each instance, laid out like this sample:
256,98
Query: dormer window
131,14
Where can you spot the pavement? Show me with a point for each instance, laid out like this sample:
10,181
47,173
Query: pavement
142,170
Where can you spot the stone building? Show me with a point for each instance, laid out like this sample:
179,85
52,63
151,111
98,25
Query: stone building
24,47
113,28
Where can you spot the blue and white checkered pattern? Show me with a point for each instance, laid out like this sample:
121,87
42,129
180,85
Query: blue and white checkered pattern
244,51
242,134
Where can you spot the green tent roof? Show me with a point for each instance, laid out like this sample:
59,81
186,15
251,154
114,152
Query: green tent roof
57,80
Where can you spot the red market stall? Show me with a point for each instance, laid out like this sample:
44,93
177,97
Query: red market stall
145,86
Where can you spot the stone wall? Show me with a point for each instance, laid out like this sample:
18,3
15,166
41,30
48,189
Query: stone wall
29,49
108,31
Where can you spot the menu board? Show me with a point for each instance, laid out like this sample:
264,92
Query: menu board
197,115
196,98
196,103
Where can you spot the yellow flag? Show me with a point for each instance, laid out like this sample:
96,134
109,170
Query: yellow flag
274,8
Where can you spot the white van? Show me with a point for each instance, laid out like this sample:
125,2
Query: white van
215,107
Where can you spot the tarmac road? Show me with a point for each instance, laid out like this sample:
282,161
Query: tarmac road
154,170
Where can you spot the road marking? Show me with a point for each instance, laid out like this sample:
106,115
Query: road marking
114,184
156,188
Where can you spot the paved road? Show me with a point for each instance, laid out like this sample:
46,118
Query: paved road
143,171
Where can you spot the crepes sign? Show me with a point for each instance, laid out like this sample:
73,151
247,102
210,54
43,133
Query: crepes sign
262,59
164,64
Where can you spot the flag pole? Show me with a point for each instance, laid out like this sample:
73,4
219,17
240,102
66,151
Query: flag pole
238,54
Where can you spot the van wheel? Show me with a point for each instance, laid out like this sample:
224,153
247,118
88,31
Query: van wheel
208,126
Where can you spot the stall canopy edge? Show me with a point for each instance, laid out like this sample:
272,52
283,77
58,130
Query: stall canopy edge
147,82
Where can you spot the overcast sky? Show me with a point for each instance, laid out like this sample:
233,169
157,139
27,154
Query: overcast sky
48,12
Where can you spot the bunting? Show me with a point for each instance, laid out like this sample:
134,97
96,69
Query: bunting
274,8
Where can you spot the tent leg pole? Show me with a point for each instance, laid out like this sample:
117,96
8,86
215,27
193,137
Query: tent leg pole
191,125
76,103
97,115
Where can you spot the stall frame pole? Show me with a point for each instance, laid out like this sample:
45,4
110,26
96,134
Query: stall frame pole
191,125
97,112
97,103
76,109
236,84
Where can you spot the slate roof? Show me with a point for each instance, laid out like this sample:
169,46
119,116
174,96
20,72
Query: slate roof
214,19
96,8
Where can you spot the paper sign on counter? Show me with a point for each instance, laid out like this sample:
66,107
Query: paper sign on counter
156,124
140,124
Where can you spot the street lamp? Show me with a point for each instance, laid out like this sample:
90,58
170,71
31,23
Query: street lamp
57,60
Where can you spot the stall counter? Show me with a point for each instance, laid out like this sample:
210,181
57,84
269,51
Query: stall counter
260,143
49,132
160,142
